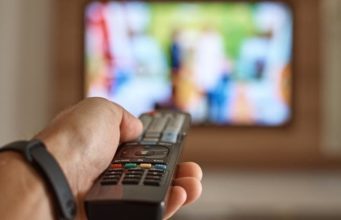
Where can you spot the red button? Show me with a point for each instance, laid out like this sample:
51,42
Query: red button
116,166
152,113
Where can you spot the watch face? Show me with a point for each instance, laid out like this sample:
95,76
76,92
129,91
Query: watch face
141,151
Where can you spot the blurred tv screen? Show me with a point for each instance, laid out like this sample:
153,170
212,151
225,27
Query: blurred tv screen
226,63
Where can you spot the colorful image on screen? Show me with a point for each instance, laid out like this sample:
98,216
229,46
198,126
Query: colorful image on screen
226,63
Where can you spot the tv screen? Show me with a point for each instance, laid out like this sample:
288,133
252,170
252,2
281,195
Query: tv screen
226,63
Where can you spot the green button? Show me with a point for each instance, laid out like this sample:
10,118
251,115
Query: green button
130,165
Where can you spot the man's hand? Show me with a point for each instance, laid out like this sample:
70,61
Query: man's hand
84,139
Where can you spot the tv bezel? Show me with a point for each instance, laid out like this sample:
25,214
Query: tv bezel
207,125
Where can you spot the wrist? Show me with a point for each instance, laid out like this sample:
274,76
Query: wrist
66,156
64,149
22,190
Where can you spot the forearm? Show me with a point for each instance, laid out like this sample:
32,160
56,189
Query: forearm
23,191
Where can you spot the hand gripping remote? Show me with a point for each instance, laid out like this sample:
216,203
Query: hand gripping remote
136,184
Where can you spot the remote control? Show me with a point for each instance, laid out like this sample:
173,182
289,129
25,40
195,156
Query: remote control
136,184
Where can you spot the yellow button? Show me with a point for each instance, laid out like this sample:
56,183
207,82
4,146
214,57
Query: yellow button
146,165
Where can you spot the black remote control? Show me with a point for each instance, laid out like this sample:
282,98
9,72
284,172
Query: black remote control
136,184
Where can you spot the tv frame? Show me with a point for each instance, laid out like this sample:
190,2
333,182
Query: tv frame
294,146
208,125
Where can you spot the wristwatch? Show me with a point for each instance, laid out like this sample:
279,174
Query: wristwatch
36,154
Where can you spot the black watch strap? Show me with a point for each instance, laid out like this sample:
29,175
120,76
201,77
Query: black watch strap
36,153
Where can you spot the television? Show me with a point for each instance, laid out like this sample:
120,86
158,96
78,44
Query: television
226,63
233,145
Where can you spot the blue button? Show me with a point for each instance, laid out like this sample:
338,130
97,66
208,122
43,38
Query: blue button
160,166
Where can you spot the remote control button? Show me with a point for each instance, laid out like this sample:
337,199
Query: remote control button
170,137
148,177
154,174
152,135
157,125
122,160
114,172
149,141
109,175
130,165
116,166
146,165
132,176
152,113
173,128
131,181
135,172
144,153
156,170
151,182
160,166
167,144
175,124
158,160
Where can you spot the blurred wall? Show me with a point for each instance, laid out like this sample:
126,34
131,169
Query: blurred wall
25,67
331,76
